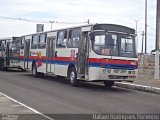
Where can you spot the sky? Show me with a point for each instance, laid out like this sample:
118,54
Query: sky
122,12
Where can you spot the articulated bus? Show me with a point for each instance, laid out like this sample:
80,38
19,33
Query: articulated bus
10,52
100,52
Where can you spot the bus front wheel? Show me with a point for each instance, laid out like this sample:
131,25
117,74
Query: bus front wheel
73,77
108,83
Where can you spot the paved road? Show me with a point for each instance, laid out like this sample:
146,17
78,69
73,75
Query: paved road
52,95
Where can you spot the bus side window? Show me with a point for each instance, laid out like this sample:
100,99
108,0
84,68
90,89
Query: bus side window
73,38
35,40
42,41
62,39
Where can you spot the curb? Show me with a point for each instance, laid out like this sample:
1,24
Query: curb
138,87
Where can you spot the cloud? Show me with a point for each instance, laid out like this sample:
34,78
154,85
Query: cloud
123,12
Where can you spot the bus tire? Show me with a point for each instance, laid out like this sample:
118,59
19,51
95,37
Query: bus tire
2,67
108,83
34,70
72,75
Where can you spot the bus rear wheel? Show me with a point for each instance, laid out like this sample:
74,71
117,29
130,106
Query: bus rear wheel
72,75
108,83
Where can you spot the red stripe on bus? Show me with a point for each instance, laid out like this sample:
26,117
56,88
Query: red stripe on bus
97,60
73,59
113,61
21,57
92,60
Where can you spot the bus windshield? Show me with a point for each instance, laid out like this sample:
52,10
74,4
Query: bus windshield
15,48
113,44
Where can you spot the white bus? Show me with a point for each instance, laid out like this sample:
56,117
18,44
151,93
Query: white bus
10,52
100,52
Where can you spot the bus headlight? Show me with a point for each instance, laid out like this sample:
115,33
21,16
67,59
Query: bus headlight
105,71
129,72
133,72
108,71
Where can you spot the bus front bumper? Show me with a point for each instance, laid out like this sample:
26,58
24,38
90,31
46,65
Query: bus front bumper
118,74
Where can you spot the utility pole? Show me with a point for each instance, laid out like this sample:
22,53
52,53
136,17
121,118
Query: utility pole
156,72
136,26
145,26
51,23
88,21
136,32
142,41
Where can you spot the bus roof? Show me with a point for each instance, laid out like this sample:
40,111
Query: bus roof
110,26
59,29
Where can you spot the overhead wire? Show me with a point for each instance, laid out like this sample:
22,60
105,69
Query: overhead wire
40,21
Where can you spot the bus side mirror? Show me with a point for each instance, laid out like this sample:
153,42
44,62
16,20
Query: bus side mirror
92,37
55,53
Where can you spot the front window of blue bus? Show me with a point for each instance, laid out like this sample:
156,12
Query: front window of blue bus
113,44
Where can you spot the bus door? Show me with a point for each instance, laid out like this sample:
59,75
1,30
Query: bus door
26,53
8,54
83,55
50,54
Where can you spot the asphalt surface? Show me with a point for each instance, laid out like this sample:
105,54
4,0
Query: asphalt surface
52,95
